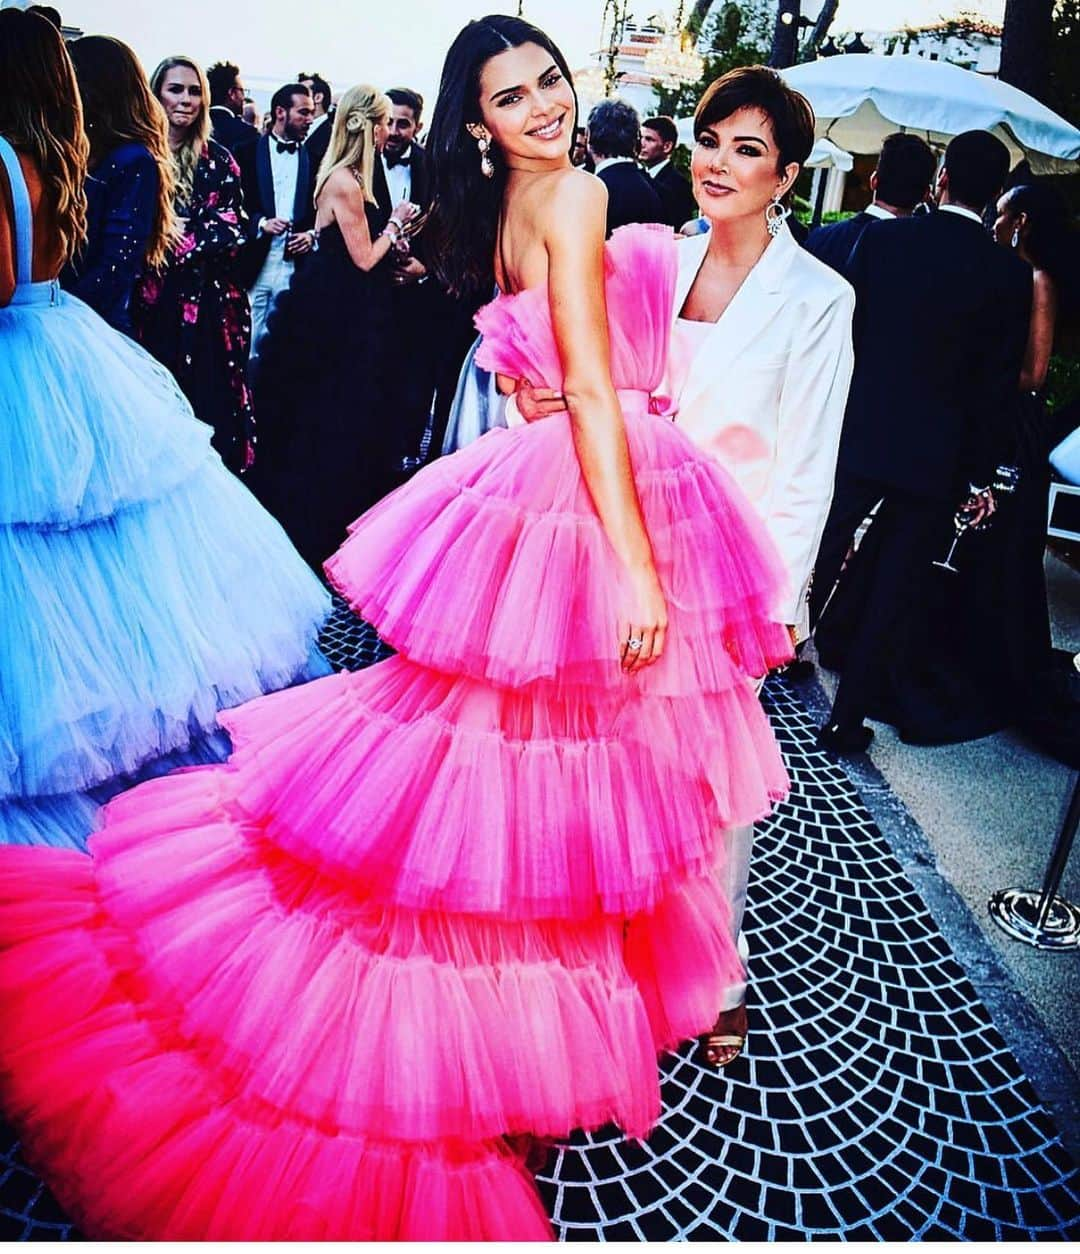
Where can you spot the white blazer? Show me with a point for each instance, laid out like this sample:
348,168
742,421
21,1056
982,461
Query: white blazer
765,391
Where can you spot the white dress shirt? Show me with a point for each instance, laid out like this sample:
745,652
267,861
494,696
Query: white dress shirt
398,179
962,210
277,269
876,211
764,389
653,170
603,165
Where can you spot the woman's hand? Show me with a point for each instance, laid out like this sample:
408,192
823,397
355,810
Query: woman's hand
642,634
533,403
405,212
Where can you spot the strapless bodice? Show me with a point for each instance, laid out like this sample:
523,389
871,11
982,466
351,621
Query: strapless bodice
639,282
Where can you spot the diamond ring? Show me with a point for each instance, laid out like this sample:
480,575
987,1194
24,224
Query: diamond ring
635,643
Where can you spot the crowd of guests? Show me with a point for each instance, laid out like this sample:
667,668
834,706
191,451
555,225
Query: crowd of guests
279,270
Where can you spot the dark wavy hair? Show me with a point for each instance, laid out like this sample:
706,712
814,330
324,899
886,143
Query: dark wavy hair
41,114
465,213
119,108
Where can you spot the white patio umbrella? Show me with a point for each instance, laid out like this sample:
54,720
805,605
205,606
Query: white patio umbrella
825,154
860,97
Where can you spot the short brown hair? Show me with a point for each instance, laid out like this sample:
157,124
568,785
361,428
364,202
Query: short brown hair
758,87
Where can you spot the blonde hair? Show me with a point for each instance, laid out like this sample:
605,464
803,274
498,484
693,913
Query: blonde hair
186,157
41,113
119,108
352,142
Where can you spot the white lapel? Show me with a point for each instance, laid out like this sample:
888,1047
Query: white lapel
690,253
752,309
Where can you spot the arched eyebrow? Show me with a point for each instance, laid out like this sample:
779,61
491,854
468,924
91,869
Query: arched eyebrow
503,91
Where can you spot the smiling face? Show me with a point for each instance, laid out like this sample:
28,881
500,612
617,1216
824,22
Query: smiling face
526,107
403,129
735,167
181,95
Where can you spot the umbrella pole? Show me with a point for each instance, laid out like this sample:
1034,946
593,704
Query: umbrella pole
817,192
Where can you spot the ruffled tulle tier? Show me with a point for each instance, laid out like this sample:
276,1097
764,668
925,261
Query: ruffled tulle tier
493,563
89,422
141,1139
234,1046
440,793
121,639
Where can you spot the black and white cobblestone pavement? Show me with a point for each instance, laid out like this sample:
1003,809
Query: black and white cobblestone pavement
876,1099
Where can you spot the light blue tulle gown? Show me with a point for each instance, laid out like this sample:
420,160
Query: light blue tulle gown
142,587
477,406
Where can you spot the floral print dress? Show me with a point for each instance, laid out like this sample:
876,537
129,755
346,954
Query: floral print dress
193,314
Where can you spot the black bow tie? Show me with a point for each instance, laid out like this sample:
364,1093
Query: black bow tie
404,159
290,145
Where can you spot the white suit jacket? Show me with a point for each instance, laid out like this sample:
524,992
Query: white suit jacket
765,392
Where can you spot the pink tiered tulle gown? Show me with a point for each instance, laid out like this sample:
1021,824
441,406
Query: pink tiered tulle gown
465,893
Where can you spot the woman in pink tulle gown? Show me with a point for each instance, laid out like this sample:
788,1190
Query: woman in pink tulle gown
430,909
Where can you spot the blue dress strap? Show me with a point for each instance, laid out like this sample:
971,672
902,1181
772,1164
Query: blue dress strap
24,218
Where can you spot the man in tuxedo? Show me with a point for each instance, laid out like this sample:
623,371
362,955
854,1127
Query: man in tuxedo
902,179
941,325
614,134
279,182
227,108
322,124
658,139
432,331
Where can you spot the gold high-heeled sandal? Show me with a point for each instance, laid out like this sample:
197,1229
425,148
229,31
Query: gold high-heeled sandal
725,1042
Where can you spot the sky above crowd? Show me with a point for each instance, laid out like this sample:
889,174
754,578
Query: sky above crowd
391,44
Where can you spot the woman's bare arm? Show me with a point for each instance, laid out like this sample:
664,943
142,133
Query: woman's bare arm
346,207
574,238
1041,334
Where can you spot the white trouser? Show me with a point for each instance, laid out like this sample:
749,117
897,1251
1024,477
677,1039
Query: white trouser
274,277
734,878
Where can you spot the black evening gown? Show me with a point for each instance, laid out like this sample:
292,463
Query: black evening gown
326,438
973,653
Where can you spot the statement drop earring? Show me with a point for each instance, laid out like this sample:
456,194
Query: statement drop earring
776,215
1016,237
487,166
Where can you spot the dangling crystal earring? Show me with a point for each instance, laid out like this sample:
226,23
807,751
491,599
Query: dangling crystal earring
487,166
1016,237
776,214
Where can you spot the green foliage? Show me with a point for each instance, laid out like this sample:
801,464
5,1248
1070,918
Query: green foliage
1062,380
1064,59
734,34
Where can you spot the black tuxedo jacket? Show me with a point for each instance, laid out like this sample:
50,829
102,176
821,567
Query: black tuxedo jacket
230,131
833,243
631,195
676,196
257,180
318,141
941,325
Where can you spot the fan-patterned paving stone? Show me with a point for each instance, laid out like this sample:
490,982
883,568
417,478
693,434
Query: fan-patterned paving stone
875,1101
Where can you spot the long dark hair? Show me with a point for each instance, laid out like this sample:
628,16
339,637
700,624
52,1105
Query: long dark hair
119,108
465,214
41,114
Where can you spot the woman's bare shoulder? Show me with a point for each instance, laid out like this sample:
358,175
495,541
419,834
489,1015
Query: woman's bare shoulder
574,189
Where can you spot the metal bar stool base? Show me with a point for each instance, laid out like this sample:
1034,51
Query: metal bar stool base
1016,911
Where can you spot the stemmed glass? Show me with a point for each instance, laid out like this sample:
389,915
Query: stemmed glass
969,516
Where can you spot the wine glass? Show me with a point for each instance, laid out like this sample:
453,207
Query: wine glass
970,515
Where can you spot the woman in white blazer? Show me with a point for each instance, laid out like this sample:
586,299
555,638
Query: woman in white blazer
760,364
